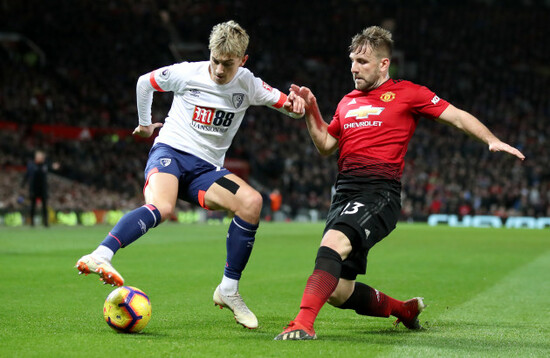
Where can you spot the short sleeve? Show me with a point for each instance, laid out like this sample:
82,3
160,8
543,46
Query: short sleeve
334,125
427,103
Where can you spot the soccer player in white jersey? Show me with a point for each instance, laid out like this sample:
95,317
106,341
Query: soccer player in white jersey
186,160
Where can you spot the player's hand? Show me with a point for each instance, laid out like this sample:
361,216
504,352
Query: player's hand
146,131
295,104
304,93
503,147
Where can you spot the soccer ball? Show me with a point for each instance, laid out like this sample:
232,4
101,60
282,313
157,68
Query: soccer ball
127,309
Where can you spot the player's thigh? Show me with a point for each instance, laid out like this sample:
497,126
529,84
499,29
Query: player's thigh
233,194
161,190
366,218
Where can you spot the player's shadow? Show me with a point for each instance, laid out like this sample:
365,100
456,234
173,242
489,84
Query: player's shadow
141,335
447,335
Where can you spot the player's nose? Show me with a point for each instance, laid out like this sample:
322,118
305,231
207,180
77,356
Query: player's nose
219,69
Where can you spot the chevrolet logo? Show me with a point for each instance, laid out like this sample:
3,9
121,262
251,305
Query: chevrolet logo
364,112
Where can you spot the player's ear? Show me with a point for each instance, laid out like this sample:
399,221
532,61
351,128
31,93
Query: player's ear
385,64
245,58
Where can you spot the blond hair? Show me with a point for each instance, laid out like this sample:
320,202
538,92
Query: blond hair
379,39
228,38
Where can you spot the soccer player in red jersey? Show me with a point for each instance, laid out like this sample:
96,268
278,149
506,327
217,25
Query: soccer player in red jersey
371,129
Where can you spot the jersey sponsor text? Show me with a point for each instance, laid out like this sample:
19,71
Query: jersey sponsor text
211,116
203,115
208,128
363,124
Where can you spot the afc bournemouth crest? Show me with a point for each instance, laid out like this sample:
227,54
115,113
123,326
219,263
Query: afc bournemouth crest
238,99
387,97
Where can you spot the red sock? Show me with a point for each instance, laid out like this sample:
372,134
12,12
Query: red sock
382,305
320,285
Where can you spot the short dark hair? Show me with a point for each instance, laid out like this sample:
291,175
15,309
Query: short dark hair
379,39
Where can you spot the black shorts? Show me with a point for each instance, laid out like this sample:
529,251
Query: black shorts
365,217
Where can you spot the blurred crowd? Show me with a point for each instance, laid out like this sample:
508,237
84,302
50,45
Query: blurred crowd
487,57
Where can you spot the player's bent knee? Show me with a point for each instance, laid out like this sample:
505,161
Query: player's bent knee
251,199
250,204
166,210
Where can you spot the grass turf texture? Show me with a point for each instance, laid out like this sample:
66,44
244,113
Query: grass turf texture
487,293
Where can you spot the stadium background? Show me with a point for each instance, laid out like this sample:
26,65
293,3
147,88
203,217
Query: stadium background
68,71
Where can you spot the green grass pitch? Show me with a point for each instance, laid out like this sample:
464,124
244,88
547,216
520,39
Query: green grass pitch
487,292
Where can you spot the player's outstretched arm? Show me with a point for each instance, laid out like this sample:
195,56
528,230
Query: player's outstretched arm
317,127
473,127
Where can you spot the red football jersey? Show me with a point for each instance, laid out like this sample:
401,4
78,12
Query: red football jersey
374,128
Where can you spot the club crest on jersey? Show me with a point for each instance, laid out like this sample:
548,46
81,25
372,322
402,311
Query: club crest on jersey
387,97
364,112
165,161
238,99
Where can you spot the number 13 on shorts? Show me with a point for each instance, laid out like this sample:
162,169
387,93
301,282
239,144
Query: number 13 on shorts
353,209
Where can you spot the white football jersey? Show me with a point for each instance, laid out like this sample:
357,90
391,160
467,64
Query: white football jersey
204,116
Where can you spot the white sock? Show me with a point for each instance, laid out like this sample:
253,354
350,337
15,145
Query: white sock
229,286
104,252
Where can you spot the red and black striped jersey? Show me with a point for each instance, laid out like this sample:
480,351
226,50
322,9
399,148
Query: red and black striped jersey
374,128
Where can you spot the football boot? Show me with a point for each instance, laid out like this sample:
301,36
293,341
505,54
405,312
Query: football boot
295,331
92,264
236,304
413,308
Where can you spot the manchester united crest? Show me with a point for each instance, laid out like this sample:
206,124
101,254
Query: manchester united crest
387,97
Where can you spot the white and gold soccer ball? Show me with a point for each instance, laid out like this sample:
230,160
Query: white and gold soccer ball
127,309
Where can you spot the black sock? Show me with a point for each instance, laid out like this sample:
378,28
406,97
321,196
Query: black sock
367,301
